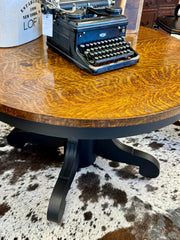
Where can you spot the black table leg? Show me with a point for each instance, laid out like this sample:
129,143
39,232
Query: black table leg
61,188
79,153
82,153
21,139
119,152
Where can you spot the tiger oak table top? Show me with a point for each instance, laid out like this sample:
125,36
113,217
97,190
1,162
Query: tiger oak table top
38,85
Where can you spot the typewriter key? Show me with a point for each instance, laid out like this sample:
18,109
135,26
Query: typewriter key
82,47
86,53
91,62
91,54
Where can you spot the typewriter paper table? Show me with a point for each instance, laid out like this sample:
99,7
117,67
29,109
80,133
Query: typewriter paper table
43,94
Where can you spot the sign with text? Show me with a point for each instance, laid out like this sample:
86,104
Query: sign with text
20,21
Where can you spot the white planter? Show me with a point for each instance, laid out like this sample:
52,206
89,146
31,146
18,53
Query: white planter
20,22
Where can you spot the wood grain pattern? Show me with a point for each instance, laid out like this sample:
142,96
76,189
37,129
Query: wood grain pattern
39,85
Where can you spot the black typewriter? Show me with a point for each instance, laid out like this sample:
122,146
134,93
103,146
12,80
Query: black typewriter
91,35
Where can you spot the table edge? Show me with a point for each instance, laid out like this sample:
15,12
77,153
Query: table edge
86,133
89,123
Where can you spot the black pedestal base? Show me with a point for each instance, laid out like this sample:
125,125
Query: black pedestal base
82,153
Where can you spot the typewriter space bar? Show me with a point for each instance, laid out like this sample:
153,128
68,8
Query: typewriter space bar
114,58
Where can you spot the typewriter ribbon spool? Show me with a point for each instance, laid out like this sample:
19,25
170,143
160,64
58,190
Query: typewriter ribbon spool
20,22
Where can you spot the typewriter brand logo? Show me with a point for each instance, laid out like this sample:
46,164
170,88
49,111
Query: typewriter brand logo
102,35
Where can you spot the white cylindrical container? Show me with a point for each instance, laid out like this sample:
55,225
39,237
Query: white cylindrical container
20,22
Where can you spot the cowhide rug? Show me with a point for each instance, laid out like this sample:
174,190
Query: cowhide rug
107,201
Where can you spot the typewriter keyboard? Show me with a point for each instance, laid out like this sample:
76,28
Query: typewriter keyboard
106,51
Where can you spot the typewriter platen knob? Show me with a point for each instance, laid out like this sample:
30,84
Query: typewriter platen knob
112,10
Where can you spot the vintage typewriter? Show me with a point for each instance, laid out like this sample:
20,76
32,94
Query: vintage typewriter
90,34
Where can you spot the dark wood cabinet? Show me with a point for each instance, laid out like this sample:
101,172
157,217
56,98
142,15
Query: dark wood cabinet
154,8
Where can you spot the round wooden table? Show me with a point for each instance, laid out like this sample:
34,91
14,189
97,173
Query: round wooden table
57,103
